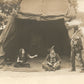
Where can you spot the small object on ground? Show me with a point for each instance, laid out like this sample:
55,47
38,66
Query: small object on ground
31,57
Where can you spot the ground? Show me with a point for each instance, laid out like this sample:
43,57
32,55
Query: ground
36,75
58,77
36,66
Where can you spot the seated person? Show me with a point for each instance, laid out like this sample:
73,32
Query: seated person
52,61
22,59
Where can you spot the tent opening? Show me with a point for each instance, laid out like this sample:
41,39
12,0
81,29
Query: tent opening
36,37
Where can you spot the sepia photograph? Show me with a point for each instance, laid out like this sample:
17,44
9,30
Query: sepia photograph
44,37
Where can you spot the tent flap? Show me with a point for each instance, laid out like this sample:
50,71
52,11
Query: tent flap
39,17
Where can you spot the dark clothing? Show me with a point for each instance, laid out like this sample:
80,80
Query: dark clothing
19,65
22,61
22,58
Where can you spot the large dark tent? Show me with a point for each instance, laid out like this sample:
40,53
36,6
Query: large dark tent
38,25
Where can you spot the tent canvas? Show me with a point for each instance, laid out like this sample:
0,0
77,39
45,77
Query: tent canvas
48,16
41,9
44,7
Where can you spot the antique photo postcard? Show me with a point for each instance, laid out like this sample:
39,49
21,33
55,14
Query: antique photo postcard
42,37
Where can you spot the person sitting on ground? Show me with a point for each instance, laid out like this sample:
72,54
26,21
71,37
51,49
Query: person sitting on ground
22,59
52,62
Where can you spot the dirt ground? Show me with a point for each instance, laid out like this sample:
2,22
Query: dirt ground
36,75
36,66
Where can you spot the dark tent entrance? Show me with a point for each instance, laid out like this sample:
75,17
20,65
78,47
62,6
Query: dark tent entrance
36,37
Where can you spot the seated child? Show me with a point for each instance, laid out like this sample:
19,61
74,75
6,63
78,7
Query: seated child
52,61
22,59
